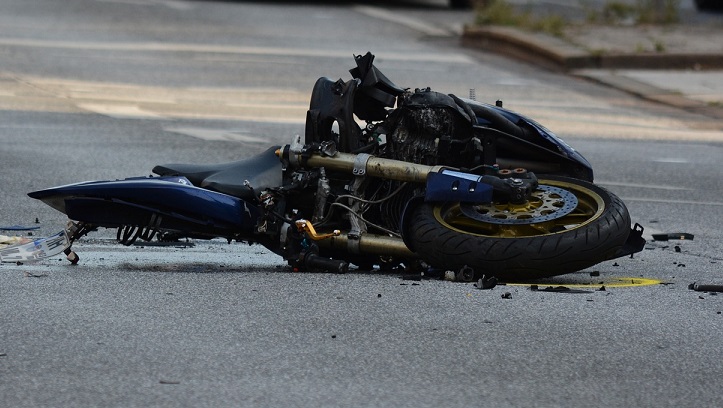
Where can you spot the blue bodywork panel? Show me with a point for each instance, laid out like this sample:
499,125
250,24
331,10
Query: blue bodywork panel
172,202
445,187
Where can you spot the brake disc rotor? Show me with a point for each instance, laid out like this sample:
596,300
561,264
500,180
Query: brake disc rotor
546,203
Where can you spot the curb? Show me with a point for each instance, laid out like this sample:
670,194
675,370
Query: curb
557,54
649,92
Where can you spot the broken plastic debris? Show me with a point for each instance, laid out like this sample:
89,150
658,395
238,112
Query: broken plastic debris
7,240
673,235
18,228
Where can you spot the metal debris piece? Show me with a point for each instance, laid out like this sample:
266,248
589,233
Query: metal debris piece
507,295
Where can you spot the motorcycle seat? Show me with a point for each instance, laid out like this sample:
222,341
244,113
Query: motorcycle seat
261,171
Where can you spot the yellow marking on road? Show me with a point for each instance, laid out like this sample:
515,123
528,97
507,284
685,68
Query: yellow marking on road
621,282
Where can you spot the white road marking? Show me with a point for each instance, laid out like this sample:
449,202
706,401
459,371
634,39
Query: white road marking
639,185
668,201
398,18
674,160
120,111
230,49
173,4
256,104
218,134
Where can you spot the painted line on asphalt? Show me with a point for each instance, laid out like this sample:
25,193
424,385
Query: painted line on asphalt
230,49
639,185
172,4
120,111
672,160
218,134
668,201
621,282
397,18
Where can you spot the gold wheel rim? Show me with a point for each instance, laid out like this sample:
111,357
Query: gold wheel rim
590,207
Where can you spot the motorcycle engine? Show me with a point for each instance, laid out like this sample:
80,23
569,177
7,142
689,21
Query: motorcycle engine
429,128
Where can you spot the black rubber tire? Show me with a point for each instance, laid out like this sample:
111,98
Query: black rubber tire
524,257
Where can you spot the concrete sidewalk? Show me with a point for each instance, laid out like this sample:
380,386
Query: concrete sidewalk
679,65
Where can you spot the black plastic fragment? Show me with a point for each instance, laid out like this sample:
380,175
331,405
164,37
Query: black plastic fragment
705,288
486,283
558,289
673,236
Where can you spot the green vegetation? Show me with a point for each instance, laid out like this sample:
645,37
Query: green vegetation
500,12
614,12
642,12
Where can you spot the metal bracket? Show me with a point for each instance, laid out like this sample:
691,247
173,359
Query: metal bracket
360,164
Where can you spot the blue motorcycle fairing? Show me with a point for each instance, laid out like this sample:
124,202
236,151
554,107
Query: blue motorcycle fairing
134,201
457,186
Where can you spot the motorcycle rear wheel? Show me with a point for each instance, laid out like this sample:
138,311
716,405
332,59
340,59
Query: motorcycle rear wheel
568,226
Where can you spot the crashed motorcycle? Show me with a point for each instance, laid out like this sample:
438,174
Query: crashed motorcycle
383,177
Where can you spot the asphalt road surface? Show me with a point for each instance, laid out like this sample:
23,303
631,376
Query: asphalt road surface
104,89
